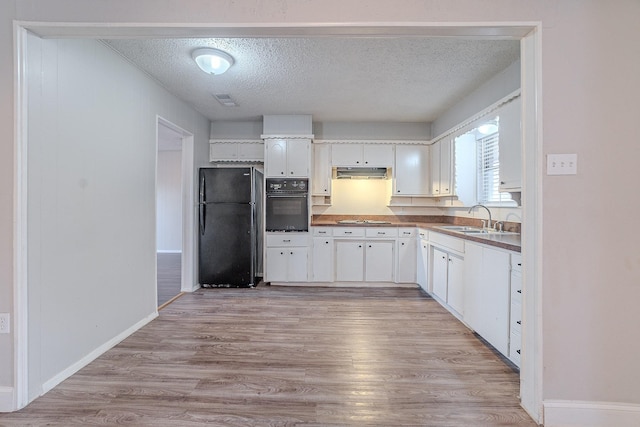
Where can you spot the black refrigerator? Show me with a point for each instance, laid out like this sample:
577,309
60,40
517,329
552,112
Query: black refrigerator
230,248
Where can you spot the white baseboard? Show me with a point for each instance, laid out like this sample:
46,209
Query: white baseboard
57,379
566,413
169,251
6,399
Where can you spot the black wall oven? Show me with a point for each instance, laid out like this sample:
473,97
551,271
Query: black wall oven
287,205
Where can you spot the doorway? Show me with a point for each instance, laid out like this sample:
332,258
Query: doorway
171,193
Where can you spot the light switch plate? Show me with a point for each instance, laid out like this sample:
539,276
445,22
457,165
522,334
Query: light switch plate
562,164
5,326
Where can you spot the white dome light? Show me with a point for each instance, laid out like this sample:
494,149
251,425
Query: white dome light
212,61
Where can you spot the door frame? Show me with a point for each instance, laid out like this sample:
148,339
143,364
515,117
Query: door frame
187,281
528,32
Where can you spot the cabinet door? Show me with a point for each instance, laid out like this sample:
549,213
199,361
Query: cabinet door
435,169
276,265
378,155
446,164
510,149
221,151
407,261
411,170
440,261
346,155
349,261
322,260
321,185
496,298
423,265
251,152
455,283
473,286
297,267
379,261
298,158
275,162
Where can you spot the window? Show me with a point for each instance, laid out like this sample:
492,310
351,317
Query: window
488,171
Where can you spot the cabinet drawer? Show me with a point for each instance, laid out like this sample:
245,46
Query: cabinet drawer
287,239
424,234
443,240
516,262
407,232
516,317
515,346
382,232
348,232
516,286
322,231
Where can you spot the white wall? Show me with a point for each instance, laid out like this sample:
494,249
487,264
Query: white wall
372,130
169,201
91,204
589,106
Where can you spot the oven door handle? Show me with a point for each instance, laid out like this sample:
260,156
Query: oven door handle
287,196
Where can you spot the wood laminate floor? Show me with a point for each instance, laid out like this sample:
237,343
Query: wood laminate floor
291,356
169,276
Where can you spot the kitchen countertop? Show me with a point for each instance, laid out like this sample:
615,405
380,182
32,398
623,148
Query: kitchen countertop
509,242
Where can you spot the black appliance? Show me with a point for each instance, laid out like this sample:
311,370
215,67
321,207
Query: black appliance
287,206
230,252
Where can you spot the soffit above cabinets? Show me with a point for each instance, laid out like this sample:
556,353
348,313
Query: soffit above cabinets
353,79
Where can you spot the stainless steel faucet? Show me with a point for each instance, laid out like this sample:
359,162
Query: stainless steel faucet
488,211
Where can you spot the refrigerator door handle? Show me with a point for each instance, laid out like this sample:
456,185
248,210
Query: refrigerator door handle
202,205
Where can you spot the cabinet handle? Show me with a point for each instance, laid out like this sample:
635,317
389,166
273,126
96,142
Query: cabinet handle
519,291
326,243
402,243
322,232
519,322
291,172
397,191
281,253
444,257
381,232
407,232
501,182
286,241
357,161
359,246
519,264
291,253
348,232
518,351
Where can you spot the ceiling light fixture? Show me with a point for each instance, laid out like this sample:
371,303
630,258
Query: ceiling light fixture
212,61
488,128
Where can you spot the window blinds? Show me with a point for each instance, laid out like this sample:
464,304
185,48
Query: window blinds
489,170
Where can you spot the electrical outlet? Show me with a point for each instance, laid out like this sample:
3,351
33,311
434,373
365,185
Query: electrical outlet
562,164
5,325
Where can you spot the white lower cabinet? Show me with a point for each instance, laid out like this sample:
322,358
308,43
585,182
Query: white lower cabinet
406,260
448,284
487,294
422,276
286,257
322,259
379,261
349,261
515,325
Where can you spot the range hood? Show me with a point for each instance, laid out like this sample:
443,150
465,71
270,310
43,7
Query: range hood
360,173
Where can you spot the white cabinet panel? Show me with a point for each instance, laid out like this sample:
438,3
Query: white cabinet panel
276,265
297,269
407,261
440,262
455,283
510,150
379,261
349,261
251,152
321,184
411,171
378,155
369,155
441,168
287,158
422,275
346,154
286,257
322,259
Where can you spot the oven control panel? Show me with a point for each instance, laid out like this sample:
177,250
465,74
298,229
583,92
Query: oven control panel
287,185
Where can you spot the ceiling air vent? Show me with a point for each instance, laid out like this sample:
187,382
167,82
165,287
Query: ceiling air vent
225,100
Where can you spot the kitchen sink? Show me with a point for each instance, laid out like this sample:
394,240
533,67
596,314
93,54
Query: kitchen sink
489,232
460,228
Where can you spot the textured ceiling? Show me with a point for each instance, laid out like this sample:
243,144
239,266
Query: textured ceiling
403,79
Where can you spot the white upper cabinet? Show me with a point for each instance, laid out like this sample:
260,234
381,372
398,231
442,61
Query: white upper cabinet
245,151
441,168
287,158
510,146
362,155
321,184
411,170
